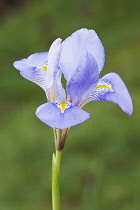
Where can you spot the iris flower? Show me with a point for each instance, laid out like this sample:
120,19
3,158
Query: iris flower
80,58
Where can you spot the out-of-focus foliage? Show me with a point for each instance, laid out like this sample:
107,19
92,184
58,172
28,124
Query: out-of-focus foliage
101,159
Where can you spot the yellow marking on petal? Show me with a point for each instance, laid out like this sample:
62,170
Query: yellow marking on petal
44,67
63,105
103,86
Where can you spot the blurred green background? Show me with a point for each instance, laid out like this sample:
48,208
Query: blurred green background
101,159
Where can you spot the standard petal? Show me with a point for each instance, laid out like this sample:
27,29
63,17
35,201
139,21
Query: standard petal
53,61
111,88
51,114
84,79
74,46
31,68
58,90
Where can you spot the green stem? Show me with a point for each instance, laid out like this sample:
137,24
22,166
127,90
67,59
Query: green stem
55,180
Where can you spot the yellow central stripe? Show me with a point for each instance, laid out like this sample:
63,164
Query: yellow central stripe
44,67
63,106
103,86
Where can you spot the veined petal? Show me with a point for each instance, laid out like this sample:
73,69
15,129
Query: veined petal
74,46
32,68
38,59
41,68
53,61
111,88
84,79
34,60
60,116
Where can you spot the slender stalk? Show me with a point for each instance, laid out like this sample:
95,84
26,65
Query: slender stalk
55,180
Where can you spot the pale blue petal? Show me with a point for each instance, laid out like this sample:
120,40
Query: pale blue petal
38,59
75,45
34,60
51,115
30,68
53,61
36,76
84,79
58,90
23,64
111,88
